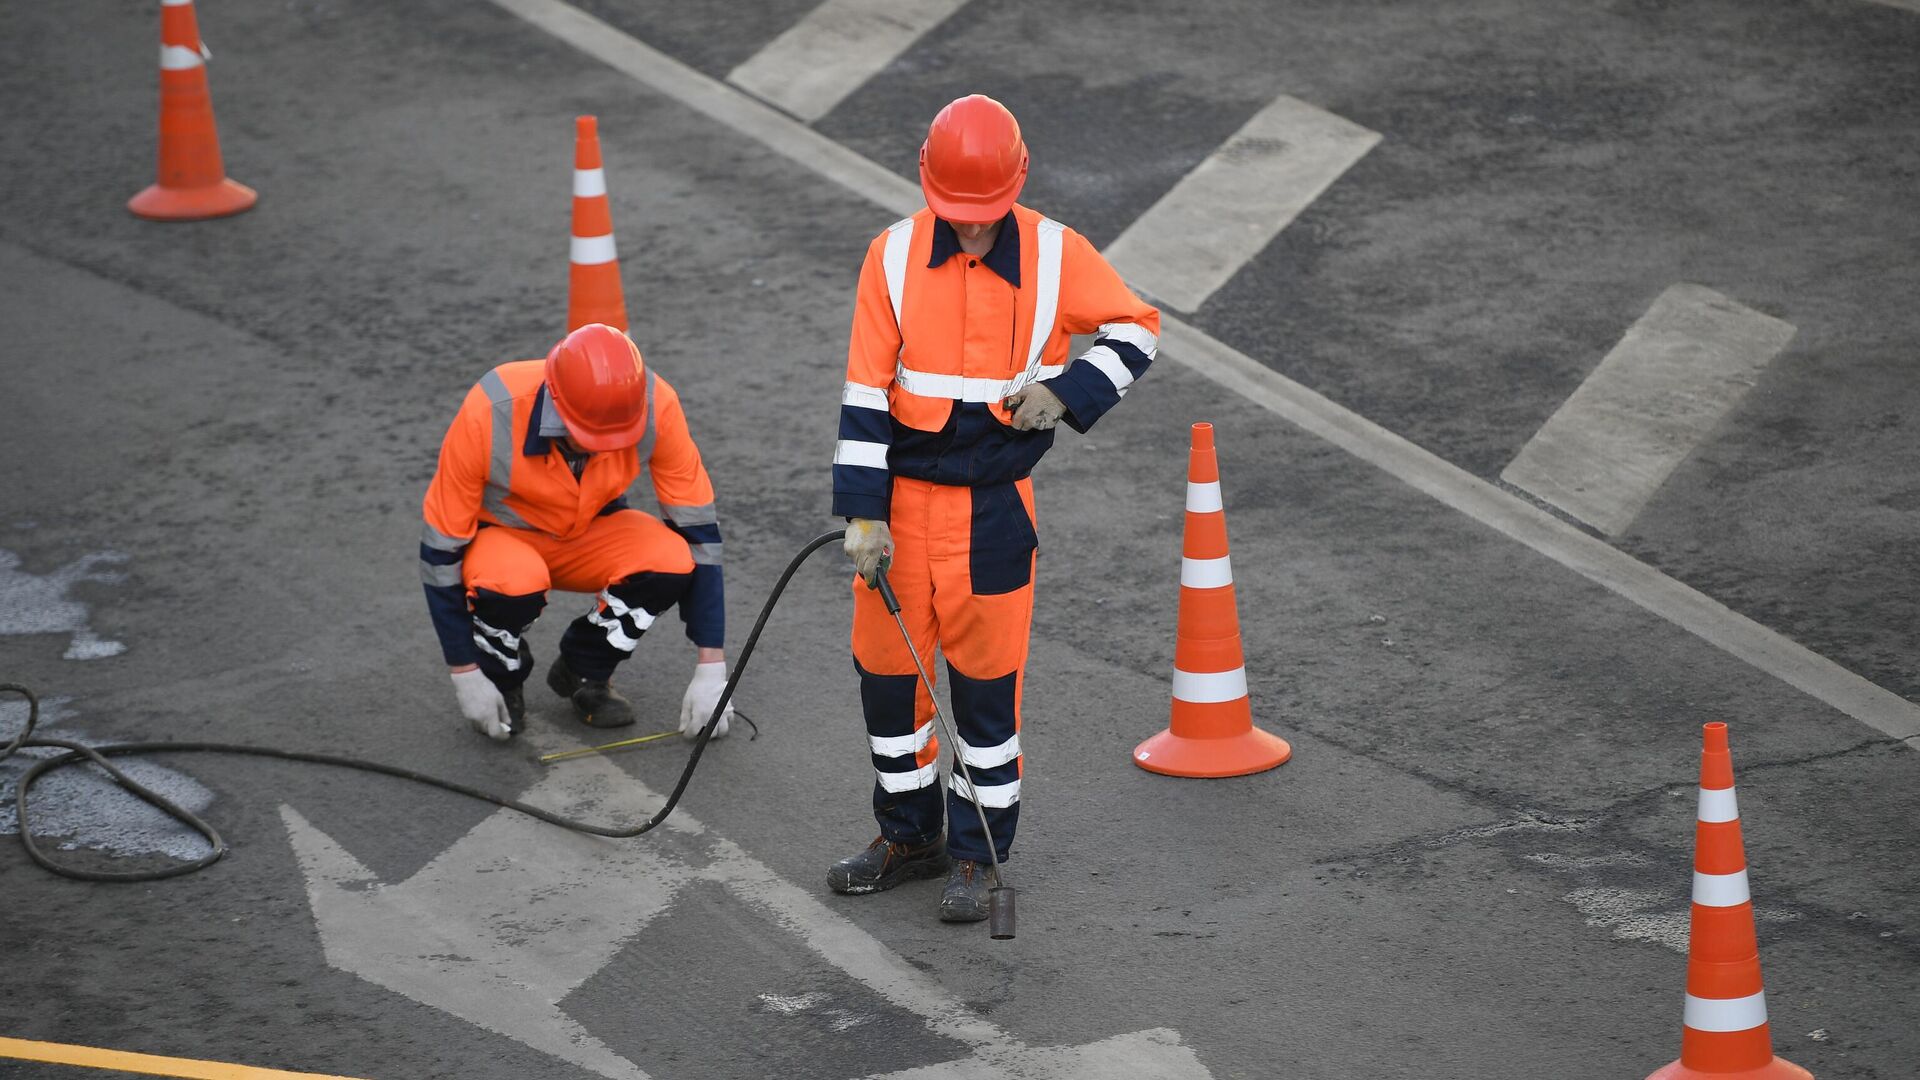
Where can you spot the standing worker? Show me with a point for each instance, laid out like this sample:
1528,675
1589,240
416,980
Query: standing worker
531,495
956,374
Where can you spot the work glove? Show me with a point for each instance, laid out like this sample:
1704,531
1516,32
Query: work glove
869,544
1034,408
482,705
702,693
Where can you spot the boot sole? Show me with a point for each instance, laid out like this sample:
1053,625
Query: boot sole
909,872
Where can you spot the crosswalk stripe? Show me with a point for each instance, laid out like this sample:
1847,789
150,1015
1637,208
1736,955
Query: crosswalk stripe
834,50
1681,368
1235,202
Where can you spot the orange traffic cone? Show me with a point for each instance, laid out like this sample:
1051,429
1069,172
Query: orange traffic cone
192,183
1212,733
593,279
1725,1026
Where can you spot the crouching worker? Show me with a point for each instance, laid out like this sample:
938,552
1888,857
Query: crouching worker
530,495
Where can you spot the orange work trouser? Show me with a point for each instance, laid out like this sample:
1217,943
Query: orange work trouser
963,566
637,565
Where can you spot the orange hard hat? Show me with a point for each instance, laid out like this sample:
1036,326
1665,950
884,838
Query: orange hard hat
974,163
599,385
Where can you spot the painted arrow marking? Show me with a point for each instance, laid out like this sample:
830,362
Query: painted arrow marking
503,925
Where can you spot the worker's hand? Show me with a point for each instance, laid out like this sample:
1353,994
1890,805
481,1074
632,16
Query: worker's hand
482,705
1034,408
870,545
702,694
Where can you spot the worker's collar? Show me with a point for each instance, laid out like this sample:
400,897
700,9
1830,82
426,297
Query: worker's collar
1003,258
547,427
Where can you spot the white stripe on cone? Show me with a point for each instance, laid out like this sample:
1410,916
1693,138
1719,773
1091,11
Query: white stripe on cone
179,58
1206,573
1209,687
1203,498
1721,890
1718,804
593,250
589,182
1726,1014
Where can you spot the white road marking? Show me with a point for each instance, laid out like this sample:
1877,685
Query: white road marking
1306,409
517,914
1235,202
834,50
1910,5
1680,368
31,604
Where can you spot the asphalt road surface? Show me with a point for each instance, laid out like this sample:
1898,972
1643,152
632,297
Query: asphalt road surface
215,437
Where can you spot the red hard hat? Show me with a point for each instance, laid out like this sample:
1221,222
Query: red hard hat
599,386
973,164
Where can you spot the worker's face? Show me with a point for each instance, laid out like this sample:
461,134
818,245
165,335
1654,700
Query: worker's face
972,235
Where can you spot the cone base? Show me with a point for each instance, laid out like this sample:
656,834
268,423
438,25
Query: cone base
158,203
1250,751
1777,1069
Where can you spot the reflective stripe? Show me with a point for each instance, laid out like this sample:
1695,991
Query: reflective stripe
1725,1014
175,3
588,183
894,261
1209,687
908,781
1720,890
642,618
1206,573
1133,334
500,464
704,514
1719,804
1203,498
705,554
991,796
986,757
593,250
485,636
440,575
873,455
862,396
643,450
179,58
440,541
894,746
1111,366
1046,298
956,388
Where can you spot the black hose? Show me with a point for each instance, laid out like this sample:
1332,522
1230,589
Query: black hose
98,755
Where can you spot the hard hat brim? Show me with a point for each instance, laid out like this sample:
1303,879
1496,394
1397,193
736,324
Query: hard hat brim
972,209
598,442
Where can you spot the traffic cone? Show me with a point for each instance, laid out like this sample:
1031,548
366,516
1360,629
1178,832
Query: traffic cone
1725,1026
1212,732
192,180
593,279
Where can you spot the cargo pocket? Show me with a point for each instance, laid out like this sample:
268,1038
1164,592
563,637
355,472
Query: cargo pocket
1000,555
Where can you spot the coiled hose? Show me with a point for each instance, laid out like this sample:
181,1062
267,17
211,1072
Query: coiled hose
99,755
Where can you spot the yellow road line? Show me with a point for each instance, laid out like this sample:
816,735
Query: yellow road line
88,1057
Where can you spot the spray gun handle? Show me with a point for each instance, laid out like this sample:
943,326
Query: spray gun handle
886,590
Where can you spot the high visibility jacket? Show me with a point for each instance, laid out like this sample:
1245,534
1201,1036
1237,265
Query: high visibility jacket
500,465
941,337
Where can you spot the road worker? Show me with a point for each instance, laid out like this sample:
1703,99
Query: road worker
531,495
957,372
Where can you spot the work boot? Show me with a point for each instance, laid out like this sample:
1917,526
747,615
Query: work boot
965,897
597,704
885,864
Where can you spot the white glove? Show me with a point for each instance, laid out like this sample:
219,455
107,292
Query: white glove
702,694
1035,408
482,705
869,544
